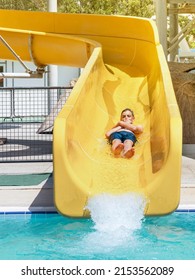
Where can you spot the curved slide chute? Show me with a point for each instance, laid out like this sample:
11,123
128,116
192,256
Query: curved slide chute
123,66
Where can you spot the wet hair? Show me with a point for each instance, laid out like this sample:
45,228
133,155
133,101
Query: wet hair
127,109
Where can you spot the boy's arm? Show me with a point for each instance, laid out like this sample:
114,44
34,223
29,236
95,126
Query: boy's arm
139,129
134,128
114,129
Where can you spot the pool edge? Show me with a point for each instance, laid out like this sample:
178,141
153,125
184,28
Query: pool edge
26,210
52,210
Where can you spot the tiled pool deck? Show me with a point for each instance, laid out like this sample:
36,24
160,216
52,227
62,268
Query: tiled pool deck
39,198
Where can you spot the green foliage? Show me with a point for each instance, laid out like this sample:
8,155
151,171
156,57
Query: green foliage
28,5
108,7
183,21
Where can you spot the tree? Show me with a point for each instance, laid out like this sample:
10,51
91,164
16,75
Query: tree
108,7
183,21
31,5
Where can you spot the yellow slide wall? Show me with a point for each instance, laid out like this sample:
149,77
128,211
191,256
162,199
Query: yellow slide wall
123,66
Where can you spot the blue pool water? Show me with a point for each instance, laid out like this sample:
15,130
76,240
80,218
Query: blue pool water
54,237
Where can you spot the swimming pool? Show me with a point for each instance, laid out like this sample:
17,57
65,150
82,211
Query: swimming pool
54,237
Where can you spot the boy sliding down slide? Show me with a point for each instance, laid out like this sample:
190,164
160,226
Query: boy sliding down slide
122,135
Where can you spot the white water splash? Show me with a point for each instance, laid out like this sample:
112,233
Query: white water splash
117,212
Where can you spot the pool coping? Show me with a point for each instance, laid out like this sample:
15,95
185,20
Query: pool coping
53,210
27,210
186,208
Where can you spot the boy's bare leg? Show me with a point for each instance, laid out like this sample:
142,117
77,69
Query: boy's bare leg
129,151
117,147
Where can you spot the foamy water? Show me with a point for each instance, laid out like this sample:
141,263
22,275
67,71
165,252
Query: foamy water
115,218
113,212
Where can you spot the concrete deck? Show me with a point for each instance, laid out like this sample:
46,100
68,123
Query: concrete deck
27,198
187,199
40,197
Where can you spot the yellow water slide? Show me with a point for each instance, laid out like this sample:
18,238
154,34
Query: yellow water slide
123,65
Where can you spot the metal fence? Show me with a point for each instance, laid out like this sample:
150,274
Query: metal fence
26,122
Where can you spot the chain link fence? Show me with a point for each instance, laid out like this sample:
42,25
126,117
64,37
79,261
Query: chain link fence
26,122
